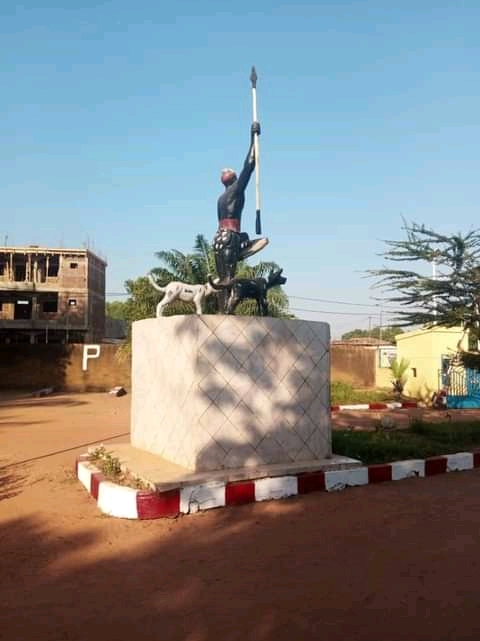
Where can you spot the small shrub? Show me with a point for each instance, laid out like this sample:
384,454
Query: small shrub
111,467
340,392
399,373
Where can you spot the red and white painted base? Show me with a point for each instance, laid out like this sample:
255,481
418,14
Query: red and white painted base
394,405
125,502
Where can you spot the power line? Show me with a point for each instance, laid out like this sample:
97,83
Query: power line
365,314
337,302
322,311
315,300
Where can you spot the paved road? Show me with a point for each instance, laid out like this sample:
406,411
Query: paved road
393,562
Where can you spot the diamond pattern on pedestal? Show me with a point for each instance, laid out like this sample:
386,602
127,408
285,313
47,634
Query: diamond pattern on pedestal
211,321
282,363
212,385
246,424
253,334
317,443
266,349
209,458
290,442
212,350
292,414
238,391
305,427
304,364
229,437
212,420
318,411
280,330
240,350
270,451
241,384
259,404
317,350
241,456
254,366
227,331
266,381
227,366
303,332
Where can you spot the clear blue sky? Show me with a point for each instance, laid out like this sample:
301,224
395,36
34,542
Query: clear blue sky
116,118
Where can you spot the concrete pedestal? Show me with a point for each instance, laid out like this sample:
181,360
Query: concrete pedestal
221,392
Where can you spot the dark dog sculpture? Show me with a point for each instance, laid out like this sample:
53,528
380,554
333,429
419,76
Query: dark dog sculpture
254,288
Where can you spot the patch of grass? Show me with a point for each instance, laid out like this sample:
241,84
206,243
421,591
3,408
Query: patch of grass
344,393
420,440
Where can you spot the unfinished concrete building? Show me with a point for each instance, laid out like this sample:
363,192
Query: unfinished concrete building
51,295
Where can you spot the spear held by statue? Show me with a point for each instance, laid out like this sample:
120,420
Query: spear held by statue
258,220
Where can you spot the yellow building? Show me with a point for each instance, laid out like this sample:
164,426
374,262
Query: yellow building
427,351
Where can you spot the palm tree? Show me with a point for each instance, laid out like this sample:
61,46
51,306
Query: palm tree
399,373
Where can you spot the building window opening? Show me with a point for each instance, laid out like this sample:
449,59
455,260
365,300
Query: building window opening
73,265
72,302
23,310
50,305
53,266
20,272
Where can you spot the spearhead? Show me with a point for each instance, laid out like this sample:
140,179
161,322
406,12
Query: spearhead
253,78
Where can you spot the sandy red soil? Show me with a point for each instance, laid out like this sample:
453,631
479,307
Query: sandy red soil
393,562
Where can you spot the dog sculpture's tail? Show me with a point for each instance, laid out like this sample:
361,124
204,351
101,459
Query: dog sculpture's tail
155,285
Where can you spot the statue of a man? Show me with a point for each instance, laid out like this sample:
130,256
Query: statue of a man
230,244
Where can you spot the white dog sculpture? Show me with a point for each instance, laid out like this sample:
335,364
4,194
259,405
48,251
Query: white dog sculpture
182,291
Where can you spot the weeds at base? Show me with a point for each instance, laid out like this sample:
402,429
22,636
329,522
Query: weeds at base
69,476
111,468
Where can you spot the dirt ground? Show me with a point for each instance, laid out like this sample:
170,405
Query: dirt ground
393,562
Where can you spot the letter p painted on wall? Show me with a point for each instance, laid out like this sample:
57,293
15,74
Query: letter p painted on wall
89,351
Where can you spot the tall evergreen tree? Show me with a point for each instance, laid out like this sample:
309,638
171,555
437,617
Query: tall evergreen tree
447,291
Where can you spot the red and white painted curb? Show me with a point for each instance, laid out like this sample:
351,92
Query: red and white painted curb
128,503
394,405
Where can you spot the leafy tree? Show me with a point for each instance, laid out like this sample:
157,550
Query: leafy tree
386,333
451,297
142,299
116,310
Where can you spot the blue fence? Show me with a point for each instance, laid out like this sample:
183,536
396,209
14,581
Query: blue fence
463,388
